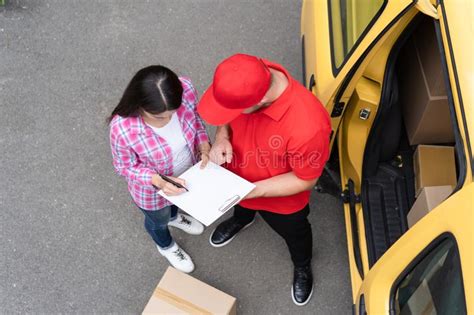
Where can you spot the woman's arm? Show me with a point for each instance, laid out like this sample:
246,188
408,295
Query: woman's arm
126,163
190,98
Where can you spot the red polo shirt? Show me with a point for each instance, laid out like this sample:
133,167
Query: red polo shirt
292,134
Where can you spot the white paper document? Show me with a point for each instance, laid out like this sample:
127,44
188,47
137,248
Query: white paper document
212,192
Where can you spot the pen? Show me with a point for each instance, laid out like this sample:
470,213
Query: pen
169,180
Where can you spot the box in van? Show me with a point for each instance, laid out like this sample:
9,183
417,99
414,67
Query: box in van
434,165
428,199
423,92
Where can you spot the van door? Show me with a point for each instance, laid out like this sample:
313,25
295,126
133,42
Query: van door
337,38
429,269
455,27
336,35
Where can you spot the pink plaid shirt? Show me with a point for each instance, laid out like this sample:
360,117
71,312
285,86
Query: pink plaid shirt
138,152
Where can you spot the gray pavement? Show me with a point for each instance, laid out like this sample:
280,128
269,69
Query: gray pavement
71,241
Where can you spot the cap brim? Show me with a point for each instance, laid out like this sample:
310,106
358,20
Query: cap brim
213,112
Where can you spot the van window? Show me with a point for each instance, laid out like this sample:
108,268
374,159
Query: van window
434,285
348,19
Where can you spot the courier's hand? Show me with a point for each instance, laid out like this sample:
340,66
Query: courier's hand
221,151
168,188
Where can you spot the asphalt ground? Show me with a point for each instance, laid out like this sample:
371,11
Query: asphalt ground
71,239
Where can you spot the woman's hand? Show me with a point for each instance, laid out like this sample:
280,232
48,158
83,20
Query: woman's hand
168,188
204,149
204,159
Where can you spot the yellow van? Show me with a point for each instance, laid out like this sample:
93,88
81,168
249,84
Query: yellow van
397,77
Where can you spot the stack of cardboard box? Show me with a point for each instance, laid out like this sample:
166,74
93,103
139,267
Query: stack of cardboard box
427,121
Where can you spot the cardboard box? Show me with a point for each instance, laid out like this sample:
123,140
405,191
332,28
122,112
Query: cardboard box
179,293
429,198
434,166
422,90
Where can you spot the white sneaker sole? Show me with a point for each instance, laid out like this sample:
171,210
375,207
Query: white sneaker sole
230,239
307,300
182,270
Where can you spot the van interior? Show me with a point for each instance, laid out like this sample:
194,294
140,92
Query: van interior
413,113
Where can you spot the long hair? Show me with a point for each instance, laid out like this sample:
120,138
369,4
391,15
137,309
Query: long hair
155,89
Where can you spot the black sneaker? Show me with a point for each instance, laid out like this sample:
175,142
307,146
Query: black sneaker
302,288
226,231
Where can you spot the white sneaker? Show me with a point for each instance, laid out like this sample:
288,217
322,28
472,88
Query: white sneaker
178,258
188,224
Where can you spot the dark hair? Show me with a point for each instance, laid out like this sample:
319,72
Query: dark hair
155,89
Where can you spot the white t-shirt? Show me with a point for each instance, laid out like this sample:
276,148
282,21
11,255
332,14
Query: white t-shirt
173,134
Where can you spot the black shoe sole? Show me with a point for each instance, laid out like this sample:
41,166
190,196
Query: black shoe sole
230,239
305,302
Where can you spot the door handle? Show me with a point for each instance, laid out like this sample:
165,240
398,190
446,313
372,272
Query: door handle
312,83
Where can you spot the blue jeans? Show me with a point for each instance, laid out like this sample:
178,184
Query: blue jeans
156,224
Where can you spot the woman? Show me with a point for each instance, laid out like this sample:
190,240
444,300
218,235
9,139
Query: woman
155,130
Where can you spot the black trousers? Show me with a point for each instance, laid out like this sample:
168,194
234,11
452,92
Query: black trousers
294,228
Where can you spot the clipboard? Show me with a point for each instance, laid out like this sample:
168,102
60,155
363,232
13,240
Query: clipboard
229,203
213,191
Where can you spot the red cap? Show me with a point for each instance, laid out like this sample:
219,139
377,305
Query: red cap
240,82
